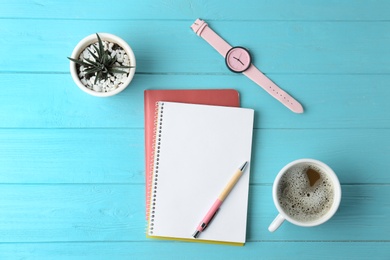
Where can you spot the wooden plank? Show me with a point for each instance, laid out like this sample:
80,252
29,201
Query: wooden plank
353,154
171,46
141,250
251,10
65,156
54,101
88,213
72,156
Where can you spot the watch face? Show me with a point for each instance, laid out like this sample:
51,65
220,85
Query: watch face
238,59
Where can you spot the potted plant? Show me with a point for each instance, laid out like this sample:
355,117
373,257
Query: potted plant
102,65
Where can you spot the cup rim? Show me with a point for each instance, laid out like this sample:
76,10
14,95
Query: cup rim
336,198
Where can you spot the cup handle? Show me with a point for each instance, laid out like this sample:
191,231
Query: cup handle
276,223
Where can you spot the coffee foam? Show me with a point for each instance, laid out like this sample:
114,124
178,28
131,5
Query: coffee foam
301,201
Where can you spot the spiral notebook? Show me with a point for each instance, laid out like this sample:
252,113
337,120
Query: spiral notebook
197,150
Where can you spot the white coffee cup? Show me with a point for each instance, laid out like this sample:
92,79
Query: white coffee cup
283,215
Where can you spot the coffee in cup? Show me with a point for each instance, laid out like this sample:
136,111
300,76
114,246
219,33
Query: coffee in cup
306,192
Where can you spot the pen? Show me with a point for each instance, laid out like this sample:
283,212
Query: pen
217,204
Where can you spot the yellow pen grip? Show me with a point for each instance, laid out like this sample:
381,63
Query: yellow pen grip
230,185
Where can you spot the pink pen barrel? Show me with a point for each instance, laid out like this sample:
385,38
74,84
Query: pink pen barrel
210,214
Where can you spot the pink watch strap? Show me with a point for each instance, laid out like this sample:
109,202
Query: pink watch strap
258,77
202,29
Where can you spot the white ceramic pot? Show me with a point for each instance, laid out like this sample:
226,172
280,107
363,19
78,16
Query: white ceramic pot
92,39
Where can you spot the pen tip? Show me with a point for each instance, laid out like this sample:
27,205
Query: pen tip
242,168
196,234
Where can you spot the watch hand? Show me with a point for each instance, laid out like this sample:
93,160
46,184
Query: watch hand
238,59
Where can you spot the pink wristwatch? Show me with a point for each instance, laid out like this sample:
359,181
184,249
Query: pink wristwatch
238,59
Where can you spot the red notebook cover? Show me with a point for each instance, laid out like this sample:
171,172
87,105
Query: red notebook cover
217,97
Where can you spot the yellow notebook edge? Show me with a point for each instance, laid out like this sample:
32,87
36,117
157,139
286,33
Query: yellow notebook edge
196,240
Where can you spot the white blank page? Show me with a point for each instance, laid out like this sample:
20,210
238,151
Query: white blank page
201,148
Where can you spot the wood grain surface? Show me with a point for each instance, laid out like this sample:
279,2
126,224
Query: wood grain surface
72,165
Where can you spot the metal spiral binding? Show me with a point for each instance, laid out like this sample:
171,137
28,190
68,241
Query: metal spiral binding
154,163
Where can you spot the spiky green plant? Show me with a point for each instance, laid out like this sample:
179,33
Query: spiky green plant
103,65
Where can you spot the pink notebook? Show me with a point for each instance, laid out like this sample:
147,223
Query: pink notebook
217,97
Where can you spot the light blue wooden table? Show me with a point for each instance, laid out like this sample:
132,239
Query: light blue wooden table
72,165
